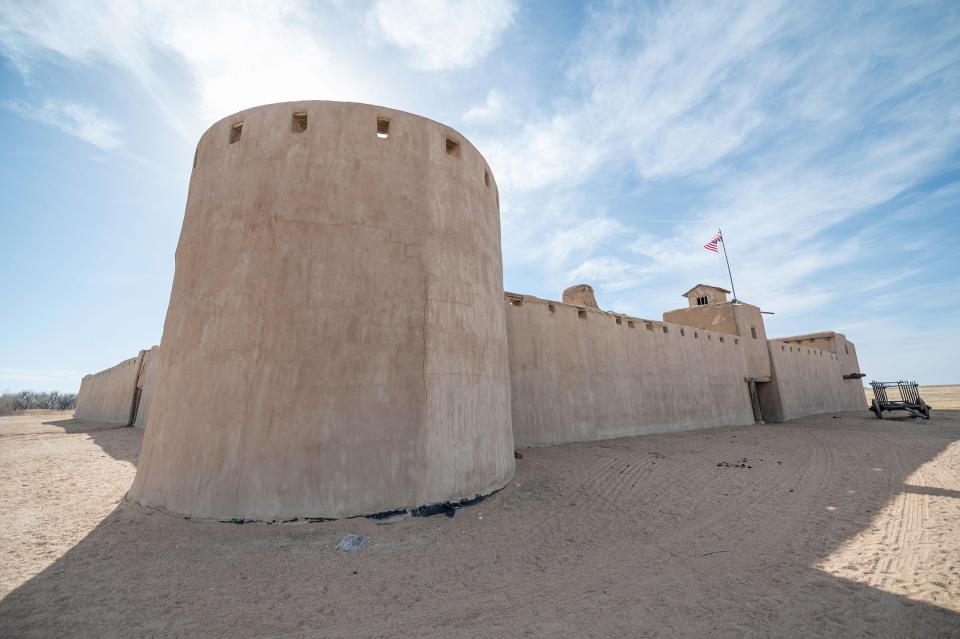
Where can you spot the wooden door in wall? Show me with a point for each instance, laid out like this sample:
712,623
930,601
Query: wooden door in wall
755,401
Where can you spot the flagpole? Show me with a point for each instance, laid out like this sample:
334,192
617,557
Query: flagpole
729,272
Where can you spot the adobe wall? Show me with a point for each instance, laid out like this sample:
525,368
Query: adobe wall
335,341
712,317
580,374
146,385
807,381
846,351
733,318
107,396
852,389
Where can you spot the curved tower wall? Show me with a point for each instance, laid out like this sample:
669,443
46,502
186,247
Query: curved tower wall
335,342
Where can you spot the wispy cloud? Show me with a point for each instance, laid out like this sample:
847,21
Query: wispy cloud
811,132
254,52
612,273
260,53
235,55
442,34
672,91
491,108
580,239
79,120
886,281
784,129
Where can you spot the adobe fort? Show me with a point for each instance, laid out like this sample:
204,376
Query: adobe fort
338,341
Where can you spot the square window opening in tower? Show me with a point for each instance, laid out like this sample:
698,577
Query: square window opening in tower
236,131
298,123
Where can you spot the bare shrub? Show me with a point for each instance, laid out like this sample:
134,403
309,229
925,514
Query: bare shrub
12,403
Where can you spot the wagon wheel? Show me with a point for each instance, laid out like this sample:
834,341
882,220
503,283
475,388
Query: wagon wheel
876,409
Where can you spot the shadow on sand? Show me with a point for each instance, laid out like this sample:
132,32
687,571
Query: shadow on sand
142,573
98,432
101,433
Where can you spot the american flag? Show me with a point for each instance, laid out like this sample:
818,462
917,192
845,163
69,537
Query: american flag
712,244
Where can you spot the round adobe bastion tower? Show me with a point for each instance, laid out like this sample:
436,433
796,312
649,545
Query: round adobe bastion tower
335,342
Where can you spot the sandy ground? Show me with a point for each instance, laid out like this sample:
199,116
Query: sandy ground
836,526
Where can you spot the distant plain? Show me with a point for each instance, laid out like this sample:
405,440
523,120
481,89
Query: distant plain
945,397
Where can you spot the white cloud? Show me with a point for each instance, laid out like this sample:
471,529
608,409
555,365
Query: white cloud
783,122
491,109
667,91
608,273
580,239
562,149
442,34
268,53
79,120
235,55
784,130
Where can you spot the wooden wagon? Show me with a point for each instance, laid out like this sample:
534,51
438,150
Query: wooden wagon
909,399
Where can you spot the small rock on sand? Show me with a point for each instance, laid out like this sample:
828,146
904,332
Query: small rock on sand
352,543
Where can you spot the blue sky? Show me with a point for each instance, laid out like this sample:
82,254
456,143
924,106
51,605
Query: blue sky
823,137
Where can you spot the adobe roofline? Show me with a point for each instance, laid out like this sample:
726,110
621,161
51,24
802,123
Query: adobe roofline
800,338
716,288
